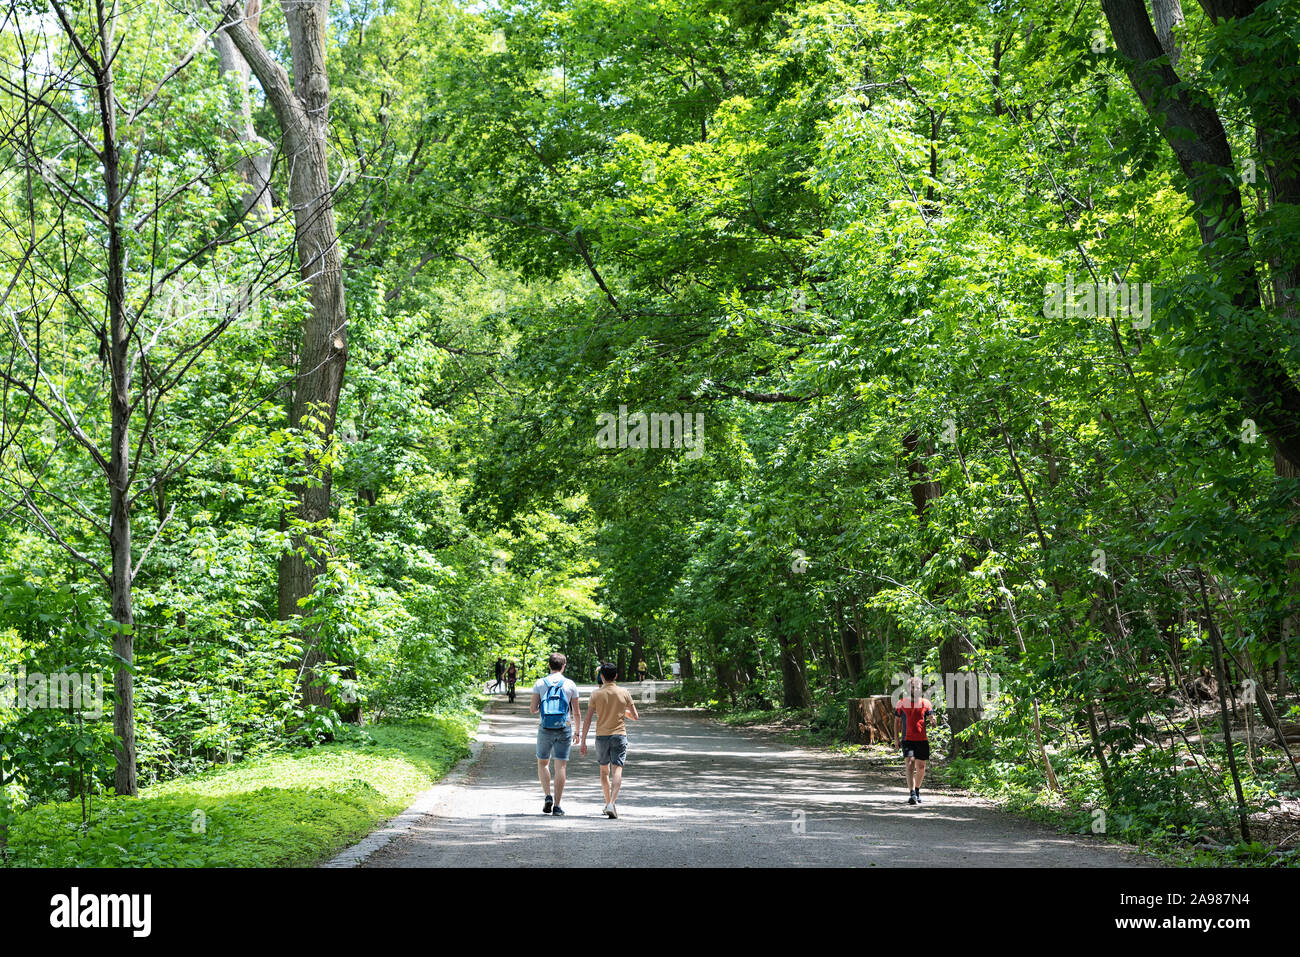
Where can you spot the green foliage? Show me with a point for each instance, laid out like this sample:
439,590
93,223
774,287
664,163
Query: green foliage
830,229
294,809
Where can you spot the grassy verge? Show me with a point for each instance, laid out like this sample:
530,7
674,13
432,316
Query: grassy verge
292,809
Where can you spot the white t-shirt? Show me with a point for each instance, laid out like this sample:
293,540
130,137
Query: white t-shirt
570,691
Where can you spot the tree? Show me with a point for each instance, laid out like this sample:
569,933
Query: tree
302,110
108,266
1194,131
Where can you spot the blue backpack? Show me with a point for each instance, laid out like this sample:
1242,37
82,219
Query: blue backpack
555,706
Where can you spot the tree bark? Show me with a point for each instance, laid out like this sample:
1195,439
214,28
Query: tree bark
850,645
256,167
1168,14
302,111
1196,135
794,682
119,466
871,720
924,491
637,651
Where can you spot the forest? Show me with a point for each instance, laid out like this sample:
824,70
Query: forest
789,347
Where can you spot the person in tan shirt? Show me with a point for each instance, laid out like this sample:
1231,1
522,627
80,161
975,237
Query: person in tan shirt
611,705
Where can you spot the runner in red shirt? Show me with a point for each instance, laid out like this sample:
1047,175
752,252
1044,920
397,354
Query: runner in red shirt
910,717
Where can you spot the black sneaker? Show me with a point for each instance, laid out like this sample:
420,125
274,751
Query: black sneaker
550,802
911,798
558,812
918,795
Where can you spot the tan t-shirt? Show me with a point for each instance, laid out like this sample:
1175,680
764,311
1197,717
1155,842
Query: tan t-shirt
611,704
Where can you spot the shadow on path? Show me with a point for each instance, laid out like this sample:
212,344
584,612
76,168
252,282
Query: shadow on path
699,793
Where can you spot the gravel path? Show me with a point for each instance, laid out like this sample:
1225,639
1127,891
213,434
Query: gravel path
699,793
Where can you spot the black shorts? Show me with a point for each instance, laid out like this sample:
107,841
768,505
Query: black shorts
917,749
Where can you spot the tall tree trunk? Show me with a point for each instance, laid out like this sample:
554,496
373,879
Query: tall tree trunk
794,682
256,167
302,111
953,661
119,467
1195,134
1168,14
924,491
637,651
850,645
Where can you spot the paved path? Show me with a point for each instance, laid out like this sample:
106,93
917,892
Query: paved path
698,793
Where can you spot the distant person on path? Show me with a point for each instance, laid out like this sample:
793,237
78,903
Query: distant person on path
501,670
512,674
910,718
640,670
555,697
600,678
611,704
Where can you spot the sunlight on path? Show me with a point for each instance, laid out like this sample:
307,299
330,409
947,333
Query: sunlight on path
698,793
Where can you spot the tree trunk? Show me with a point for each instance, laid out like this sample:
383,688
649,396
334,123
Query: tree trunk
794,683
302,112
1196,135
1216,643
637,651
952,661
924,491
850,645
119,466
1168,14
255,168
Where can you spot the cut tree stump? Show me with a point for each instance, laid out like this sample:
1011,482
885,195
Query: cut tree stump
871,720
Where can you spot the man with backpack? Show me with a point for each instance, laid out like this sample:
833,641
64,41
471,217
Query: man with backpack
555,698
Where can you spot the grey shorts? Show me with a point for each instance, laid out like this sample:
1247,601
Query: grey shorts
554,742
611,749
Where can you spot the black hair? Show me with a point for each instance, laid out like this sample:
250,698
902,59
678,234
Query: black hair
609,671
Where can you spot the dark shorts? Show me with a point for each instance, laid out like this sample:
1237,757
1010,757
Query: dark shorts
611,749
917,749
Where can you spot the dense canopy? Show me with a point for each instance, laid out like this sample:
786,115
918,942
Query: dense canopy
350,347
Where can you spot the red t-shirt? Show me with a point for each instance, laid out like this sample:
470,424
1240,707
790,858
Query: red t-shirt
913,714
